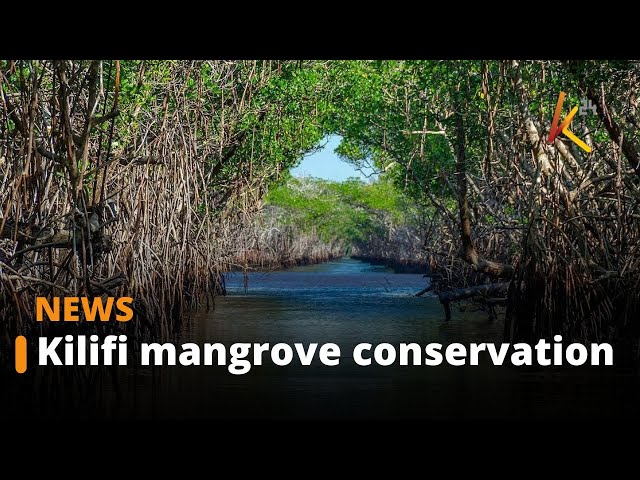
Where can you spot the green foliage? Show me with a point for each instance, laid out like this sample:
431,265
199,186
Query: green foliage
381,105
347,211
251,122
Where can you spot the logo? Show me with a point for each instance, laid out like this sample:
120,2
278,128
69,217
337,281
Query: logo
564,126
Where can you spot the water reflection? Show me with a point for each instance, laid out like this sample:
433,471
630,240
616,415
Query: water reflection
349,302
345,302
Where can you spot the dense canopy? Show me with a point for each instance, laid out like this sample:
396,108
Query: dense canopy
151,178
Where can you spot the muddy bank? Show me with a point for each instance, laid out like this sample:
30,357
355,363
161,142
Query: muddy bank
283,263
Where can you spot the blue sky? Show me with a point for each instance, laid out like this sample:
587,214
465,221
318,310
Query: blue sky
326,164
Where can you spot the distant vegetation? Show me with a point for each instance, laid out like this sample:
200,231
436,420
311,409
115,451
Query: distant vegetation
350,211
369,220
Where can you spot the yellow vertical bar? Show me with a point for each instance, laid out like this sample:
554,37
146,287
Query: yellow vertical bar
21,354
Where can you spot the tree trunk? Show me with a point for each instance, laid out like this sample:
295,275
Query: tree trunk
615,132
469,252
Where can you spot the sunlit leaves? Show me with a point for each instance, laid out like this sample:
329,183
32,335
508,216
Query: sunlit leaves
347,211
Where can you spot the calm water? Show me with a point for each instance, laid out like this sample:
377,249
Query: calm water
349,302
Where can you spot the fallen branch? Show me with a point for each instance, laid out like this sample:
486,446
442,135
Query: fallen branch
425,290
488,290
110,283
31,280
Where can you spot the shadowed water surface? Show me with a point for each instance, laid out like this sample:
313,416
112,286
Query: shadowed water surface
348,302
345,302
